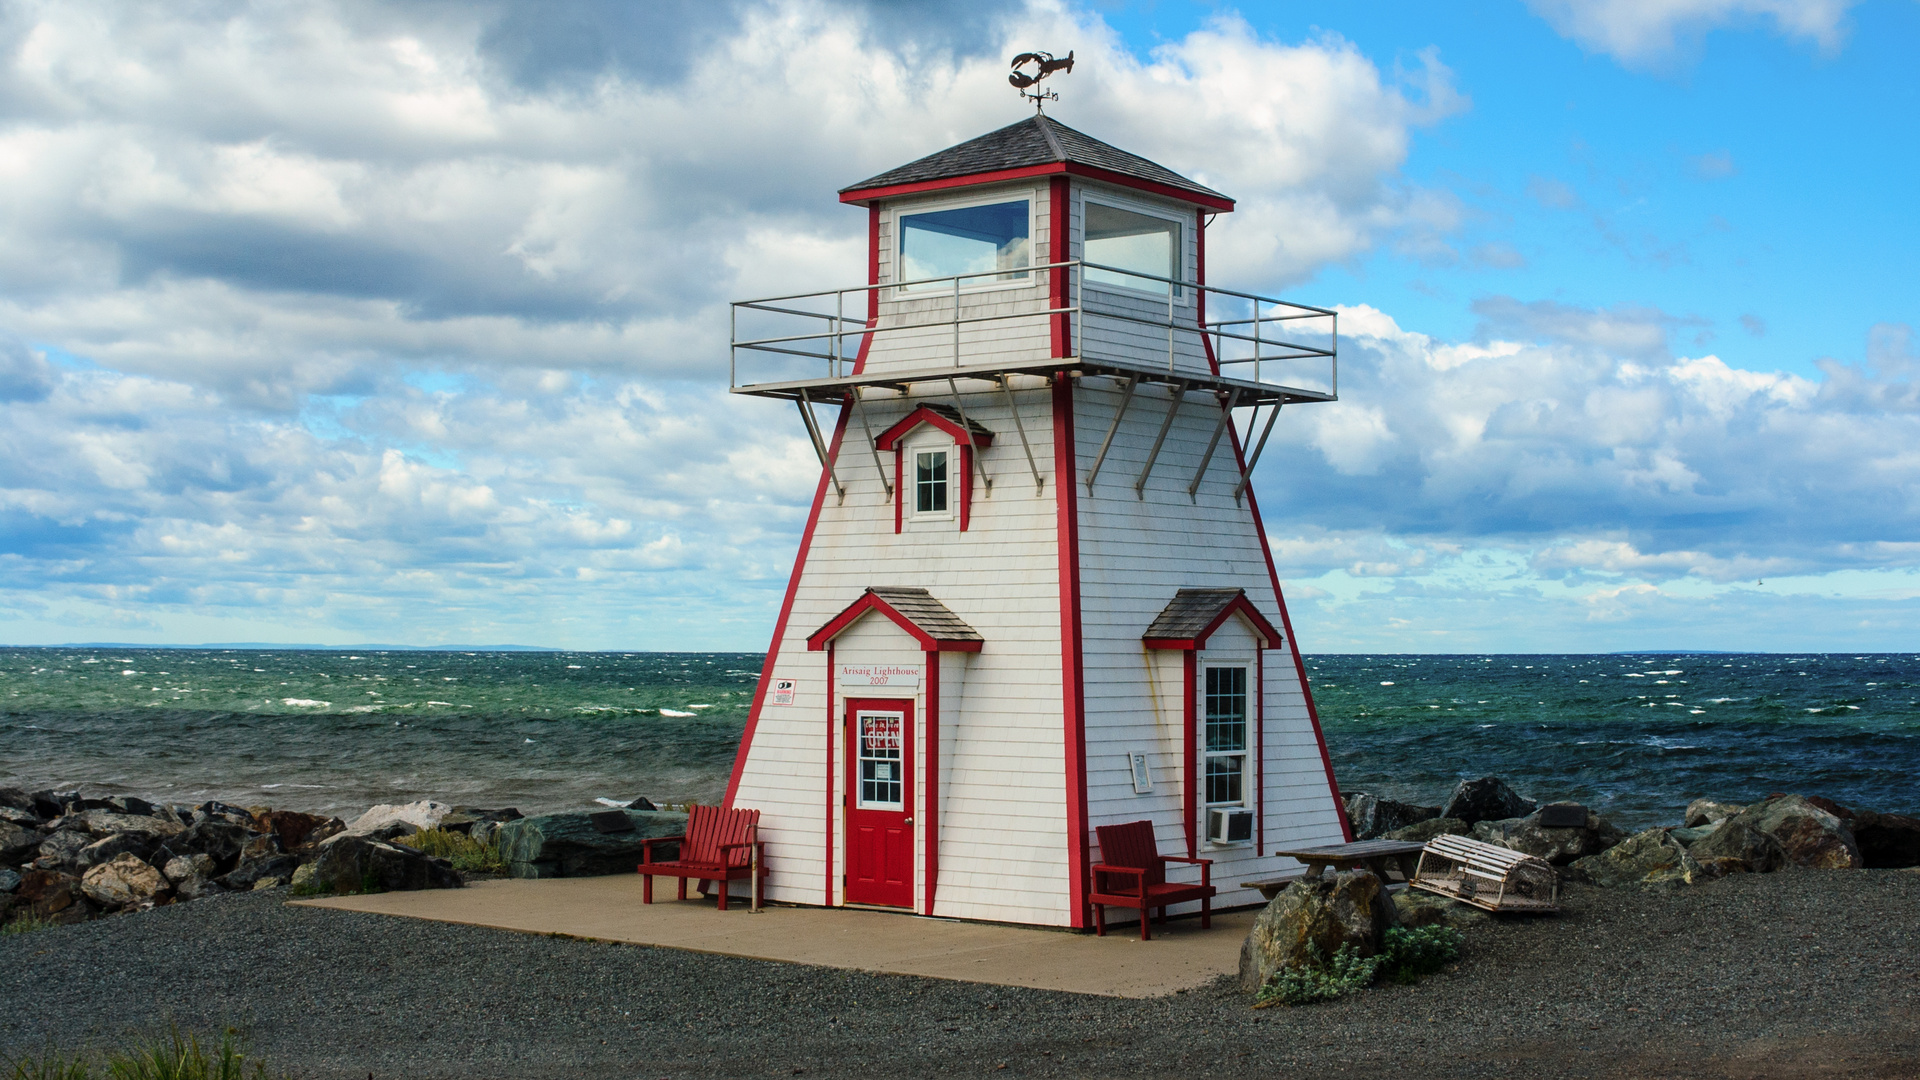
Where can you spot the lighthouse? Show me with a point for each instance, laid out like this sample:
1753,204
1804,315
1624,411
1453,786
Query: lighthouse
1034,594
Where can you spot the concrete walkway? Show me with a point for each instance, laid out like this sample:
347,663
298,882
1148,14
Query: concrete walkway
1180,956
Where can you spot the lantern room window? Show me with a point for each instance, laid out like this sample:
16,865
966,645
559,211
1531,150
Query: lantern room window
930,482
1226,735
1132,241
992,240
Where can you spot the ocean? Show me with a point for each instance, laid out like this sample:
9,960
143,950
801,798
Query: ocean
1634,736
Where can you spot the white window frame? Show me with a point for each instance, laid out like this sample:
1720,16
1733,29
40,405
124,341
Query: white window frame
1245,753
985,282
1181,294
930,441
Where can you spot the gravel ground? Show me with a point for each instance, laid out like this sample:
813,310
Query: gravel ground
1786,975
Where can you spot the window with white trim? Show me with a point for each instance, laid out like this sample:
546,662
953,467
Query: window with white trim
1129,240
991,241
1224,706
931,484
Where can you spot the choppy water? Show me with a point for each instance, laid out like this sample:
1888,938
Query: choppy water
1636,736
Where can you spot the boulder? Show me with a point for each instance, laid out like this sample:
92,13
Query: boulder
26,819
1428,829
351,862
1486,799
61,850
9,879
140,845
189,874
125,881
1737,847
468,819
14,798
1373,816
1316,917
294,829
17,843
48,892
1692,836
1648,858
128,804
51,804
1558,846
105,823
272,867
1887,841
1811,836
570,845
221,840
223,812
399,820
1415,909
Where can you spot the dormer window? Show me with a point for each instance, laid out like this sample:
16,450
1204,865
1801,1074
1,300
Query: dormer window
930,482
991,240
1130,240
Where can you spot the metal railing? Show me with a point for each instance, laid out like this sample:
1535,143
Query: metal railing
1255,333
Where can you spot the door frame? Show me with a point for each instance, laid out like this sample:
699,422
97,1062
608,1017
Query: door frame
850,783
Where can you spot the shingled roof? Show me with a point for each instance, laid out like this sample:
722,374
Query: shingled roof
1192,616
1036,141
929,621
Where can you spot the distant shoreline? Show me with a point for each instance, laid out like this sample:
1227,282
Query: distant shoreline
267,646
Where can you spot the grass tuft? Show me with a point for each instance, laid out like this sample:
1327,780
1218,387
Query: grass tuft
176,1056
1405,956
462,850
27,924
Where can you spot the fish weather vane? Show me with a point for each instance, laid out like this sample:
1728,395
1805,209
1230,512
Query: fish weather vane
1045,65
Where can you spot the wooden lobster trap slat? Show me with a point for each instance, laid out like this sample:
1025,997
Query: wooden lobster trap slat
1487,876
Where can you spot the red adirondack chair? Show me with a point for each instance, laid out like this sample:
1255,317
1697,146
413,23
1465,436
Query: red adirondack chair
719,845
1132,873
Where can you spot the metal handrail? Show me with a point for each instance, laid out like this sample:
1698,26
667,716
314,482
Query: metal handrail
831,337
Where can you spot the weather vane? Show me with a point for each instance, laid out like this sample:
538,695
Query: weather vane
1047,65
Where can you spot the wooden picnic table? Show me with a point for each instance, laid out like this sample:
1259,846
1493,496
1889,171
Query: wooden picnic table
1378,856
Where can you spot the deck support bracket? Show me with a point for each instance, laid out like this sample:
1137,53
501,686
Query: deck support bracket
1173,410
1246,473
1126,396
1006,388
819,444
860,410
967,428
1226,417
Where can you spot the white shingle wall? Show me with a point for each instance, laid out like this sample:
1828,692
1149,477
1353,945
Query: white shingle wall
1003,844
1135,554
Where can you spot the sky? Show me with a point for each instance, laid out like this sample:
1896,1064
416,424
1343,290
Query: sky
338,322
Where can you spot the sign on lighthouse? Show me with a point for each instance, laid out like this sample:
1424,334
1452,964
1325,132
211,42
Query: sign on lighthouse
1033,596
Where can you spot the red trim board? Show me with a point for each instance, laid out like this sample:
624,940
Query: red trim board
870,602
1072,678
1190,725
930,817
827,897
1216,203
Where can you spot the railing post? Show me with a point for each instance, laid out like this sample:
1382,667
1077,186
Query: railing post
956,320
733,346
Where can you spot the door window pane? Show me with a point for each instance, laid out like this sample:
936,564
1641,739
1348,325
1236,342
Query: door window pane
965,240
1130,241
881,775
930,482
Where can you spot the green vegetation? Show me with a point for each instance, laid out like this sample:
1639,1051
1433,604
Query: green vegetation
463,851
175,1057
27,924
1406,956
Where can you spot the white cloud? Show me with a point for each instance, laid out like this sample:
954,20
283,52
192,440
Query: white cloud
1650,33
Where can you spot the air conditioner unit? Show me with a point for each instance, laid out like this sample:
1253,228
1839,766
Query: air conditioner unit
1230,825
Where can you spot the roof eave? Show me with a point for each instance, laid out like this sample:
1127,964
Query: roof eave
867,196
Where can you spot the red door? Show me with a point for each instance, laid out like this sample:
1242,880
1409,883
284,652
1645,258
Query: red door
880,803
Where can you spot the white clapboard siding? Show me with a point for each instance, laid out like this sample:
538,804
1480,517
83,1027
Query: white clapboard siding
1135,554
1002,845
1117,339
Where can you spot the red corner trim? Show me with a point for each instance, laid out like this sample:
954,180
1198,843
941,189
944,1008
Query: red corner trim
1072,678
827,897
1217,203
1190,726
823,637
1260,751
1286,621
1059,248
932,813
890,438
899,488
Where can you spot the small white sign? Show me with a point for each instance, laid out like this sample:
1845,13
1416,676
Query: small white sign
1142,775
859,676
783,691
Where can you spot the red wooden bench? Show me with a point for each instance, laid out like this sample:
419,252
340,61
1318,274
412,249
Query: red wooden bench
719,845
1133,874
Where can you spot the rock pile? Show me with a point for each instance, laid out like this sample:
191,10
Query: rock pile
67,858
